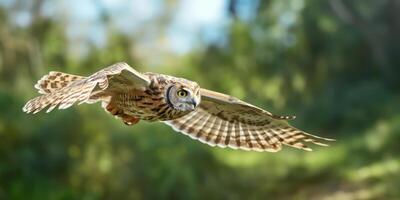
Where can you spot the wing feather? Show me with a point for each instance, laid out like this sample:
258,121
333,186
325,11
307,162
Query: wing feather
200,127
208,128
222,132
224,121
214,129
119,76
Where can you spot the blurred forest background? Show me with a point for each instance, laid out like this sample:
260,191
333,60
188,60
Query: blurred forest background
334,64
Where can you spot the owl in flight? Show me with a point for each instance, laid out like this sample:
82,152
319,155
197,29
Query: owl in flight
210,117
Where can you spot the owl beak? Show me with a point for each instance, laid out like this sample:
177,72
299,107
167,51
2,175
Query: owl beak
195,102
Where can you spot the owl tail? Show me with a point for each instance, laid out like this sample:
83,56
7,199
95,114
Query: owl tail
55,81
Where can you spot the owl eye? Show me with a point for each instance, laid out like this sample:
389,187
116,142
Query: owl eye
182,93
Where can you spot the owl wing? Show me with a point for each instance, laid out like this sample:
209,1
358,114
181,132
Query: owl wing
225,121
119,76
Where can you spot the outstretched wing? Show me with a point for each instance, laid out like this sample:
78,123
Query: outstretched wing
119,76
225,121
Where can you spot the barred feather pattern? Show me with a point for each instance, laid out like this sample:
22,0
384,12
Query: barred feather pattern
63,98
214,130
54,81
79,90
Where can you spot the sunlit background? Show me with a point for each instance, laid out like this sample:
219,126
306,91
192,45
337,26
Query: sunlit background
334,64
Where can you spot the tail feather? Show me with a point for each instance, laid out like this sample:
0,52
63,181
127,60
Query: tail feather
55,81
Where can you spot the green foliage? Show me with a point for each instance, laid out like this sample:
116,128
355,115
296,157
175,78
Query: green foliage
333,63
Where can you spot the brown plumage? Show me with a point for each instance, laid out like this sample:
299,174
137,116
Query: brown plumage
210,117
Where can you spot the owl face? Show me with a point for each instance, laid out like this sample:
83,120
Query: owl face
183,97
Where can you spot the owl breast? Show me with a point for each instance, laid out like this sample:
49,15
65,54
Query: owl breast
149,104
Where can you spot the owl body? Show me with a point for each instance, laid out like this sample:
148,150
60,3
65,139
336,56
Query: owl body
213,118
149,103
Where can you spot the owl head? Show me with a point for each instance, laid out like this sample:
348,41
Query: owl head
183,95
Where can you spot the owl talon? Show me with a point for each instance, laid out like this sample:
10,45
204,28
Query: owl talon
113,110
129,120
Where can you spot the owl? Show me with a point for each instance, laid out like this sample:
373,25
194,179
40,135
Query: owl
213,118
